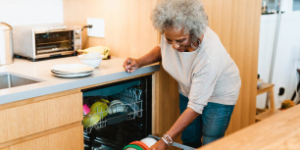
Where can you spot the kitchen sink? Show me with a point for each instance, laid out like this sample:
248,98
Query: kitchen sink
10,80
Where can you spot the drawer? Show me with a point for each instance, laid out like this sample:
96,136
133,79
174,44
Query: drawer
21,121
69,139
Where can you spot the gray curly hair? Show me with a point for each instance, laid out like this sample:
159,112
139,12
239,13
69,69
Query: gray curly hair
187,14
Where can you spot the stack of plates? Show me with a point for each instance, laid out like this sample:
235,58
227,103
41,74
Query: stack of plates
72,70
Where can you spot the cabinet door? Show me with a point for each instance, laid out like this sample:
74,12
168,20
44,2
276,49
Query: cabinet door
25,120
70,139
3,124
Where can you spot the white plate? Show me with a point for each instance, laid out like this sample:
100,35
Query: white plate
116,102
72,75
64,73
72,69
149,141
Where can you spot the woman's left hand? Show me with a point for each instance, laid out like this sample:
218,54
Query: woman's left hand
160,145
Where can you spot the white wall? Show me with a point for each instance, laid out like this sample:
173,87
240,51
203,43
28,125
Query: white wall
288,53
287,5
21,12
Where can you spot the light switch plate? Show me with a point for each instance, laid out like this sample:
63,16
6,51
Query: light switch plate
98,27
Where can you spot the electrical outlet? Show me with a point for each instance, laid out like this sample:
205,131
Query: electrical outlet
98,27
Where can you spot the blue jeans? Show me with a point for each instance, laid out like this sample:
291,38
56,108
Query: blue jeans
211,125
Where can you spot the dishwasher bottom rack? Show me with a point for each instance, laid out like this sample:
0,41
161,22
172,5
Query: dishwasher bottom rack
130,112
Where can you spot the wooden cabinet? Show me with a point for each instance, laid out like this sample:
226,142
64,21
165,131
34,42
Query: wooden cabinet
66,139
44,122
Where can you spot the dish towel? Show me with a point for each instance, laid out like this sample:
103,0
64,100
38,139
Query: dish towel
102,49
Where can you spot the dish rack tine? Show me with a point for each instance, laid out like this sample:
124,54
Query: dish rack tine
88,130
135,95
140,114
140,93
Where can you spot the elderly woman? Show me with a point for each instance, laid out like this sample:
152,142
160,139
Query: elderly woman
194,56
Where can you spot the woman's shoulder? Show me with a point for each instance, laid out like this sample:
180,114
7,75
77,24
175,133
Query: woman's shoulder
212,43
211,36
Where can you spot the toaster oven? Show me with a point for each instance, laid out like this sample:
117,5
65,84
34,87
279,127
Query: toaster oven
45,41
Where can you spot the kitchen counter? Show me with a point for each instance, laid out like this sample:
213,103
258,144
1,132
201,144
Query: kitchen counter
109,70
278,132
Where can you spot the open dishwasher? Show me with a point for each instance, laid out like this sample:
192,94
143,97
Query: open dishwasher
117,126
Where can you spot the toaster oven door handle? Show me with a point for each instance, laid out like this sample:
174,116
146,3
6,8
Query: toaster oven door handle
57,28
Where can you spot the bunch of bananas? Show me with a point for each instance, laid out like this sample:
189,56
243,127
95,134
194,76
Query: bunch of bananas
102,49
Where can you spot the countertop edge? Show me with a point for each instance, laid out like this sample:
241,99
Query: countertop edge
84,82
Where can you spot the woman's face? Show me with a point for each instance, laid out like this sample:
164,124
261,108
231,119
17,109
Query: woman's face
177,38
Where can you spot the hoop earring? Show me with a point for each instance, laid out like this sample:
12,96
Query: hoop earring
194,47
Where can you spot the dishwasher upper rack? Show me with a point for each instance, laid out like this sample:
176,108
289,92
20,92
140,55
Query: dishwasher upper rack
131,98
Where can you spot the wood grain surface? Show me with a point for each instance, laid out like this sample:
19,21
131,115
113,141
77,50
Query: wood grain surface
278,132
128,28
25,120
58,139
237,23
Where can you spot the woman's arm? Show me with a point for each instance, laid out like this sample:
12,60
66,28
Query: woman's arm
153,56
187,117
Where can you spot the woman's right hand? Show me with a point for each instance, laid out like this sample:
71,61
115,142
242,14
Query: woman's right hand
130,64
